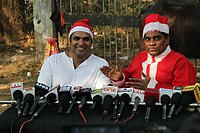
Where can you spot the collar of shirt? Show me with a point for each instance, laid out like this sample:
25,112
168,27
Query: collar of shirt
161,56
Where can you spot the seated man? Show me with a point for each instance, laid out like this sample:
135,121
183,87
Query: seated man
158,66
76,67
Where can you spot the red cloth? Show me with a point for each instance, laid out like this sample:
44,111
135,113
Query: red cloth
172,70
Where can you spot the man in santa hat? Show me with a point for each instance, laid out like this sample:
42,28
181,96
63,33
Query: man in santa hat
158,66
77,67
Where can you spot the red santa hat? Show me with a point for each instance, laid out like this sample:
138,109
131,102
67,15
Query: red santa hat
155,22
81,25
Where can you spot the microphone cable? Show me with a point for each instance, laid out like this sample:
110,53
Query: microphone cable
130,117
12,123
135,106
115,121
82,115
21,127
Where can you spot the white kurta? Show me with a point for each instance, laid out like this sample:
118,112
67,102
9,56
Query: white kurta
58,69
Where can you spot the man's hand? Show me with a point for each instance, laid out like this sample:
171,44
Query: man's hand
139,83
114,74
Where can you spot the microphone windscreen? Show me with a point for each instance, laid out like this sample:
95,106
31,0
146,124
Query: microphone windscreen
29,98
51,97
165,99
41,89
64,99
186,100
18,95
150,101
125,98
97,99
176,98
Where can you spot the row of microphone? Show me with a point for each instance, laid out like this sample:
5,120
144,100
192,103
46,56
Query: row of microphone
112,100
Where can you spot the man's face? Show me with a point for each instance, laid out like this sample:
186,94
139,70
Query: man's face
81,43
155,42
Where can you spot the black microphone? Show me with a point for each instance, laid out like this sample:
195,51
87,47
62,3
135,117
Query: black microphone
107,105
150,103
165,100
39,92
114,116
85,95
138,96
136,103
49,99
18,96
97,100
190,94
73,101
64,99
175,100
28,100
125,100
186,100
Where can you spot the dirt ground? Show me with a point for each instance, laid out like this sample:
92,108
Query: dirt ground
17,64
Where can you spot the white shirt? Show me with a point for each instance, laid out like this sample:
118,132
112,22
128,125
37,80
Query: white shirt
58,69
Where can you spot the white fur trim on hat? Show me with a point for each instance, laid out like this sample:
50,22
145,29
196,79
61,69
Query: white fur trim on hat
80,28
155,26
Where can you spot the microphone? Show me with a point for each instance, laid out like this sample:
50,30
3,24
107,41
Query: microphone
18,96
125,100
110,93
85,93
73,101
165,100
64,99
115,107
28,100
175,100
186,100
150,103
107,105
40,90
16,90
64,96
151,92
49,99
137,97
97,100
190,94
128,91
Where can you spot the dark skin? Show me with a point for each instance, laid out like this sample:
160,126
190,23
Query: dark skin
155,43
80,47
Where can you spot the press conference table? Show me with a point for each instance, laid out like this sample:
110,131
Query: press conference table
48,121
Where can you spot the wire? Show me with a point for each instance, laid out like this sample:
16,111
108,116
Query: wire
116,121
20,130
102,118
12,123
82,116
128,118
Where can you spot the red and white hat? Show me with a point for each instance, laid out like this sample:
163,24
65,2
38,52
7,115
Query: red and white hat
155,22
81,25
